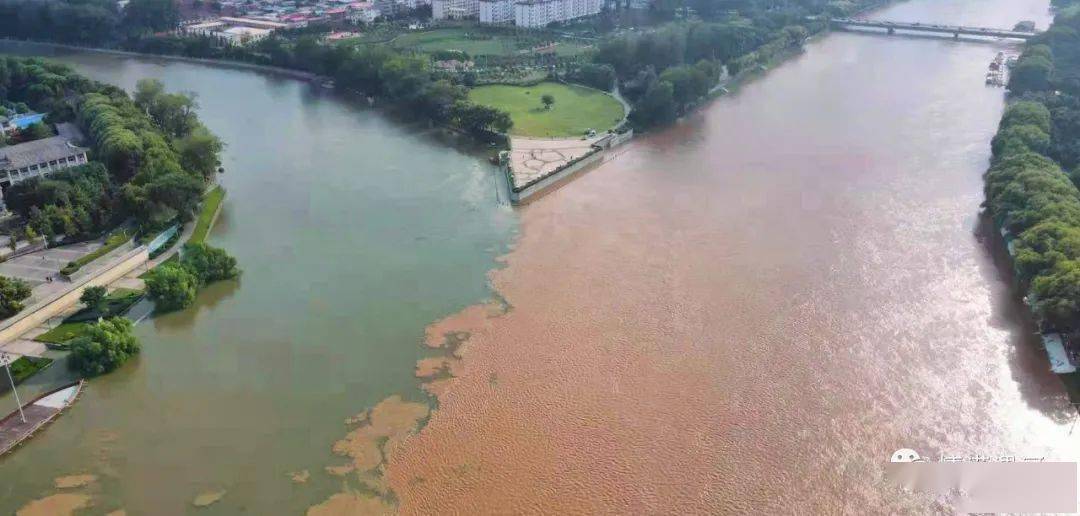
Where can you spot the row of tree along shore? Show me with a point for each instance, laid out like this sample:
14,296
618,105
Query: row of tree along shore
150,162
663,70
1031,186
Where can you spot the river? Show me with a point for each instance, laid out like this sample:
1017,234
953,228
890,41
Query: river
353,233
747,312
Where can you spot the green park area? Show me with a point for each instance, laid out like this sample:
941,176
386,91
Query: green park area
115,304
574,111
211,204
478,42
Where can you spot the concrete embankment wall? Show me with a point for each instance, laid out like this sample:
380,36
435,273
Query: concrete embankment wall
565,174
37,314
555,178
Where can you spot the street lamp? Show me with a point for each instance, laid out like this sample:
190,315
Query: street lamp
5,360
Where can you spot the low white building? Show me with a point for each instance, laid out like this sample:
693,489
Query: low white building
243,35
37,158
238,31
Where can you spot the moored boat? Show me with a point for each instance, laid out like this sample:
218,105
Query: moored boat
20,425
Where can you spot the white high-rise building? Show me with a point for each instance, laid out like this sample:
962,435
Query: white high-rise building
454,9
496,12
540,13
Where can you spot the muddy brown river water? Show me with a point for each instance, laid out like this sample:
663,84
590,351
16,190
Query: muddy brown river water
749,312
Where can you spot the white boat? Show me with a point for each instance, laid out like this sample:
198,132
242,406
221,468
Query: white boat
23,422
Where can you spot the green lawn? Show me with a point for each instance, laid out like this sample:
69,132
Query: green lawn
575,111
25,367
206,214
456,39
63,333
480,43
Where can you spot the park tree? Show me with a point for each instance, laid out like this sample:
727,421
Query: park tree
1027,112
172,286
209,263
1017,138
93,297
547,100
105,346
12,293
174,113
656,107
595,75
151,15
198,152
35,131
1057,295
1031,74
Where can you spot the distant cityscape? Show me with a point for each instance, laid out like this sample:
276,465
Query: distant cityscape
250,21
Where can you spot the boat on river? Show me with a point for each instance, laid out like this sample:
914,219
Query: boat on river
37,412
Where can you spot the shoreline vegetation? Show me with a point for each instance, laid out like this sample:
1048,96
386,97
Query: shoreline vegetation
150,160
1031,185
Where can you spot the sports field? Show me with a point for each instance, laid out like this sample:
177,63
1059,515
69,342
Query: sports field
576,109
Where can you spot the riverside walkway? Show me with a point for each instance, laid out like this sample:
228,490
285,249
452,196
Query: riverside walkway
956,30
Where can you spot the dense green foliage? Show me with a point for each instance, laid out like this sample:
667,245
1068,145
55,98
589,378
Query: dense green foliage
173,285
93,296
79,201
1028,193
157,154
208,263
12,293
664,72
103,347
85,22
594,75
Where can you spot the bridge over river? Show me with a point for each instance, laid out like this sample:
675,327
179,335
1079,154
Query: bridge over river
956,30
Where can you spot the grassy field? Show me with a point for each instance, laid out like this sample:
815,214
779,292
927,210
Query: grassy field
63,333
25,367
478,43
206,214
575,111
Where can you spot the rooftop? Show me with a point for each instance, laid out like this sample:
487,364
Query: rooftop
37,151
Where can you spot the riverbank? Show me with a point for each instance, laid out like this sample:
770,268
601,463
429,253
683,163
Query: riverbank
237,65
